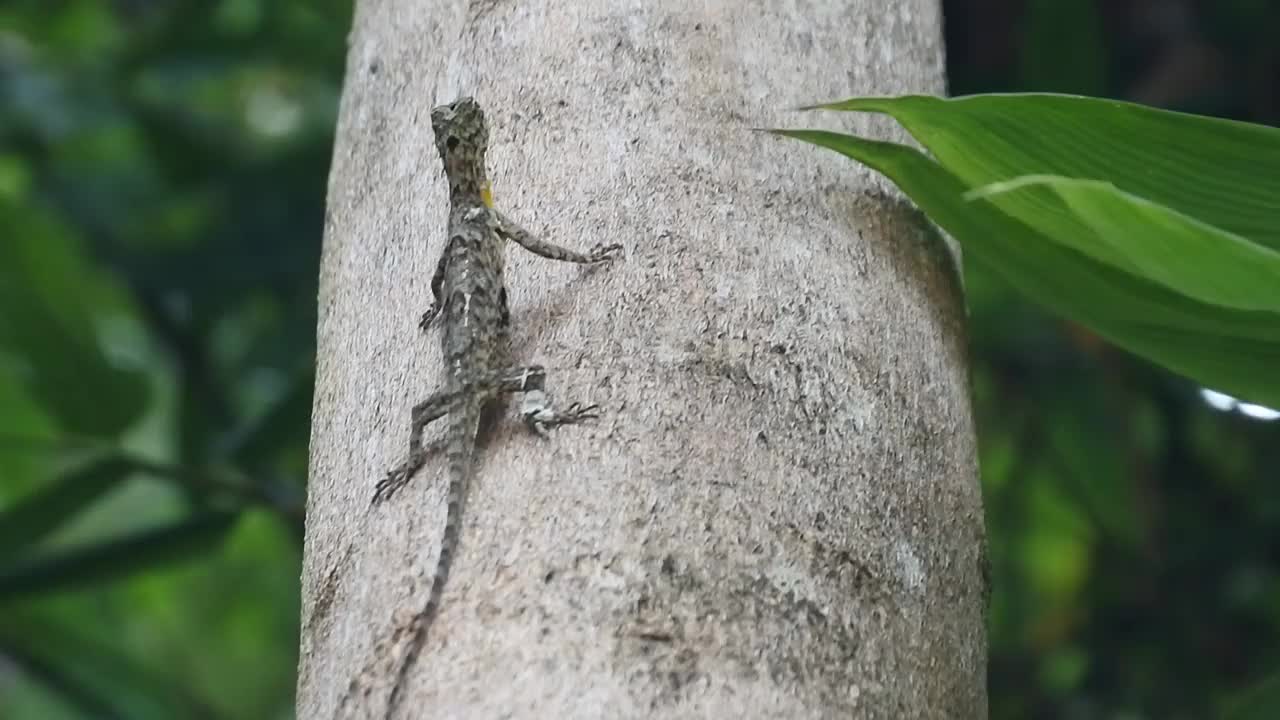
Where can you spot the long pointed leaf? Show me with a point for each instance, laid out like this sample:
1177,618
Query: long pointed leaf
89,700
1221,172
1235,350
50,302
1151,241
34,517
85,669
284,424
115,559
1259,702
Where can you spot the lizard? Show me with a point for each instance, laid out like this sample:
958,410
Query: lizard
470,303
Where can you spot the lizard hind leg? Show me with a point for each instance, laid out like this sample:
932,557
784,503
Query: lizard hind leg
422,415
539,413
526,378
540,416
535,407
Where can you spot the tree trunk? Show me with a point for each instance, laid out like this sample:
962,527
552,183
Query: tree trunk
778,515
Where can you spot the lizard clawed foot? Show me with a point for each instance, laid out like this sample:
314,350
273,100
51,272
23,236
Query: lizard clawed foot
540,417
429,317
576,413
604,253
395,479
400,475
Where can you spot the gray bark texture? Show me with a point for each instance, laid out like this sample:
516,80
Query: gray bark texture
778,515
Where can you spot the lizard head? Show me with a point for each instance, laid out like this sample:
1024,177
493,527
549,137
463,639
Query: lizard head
462,137
459,126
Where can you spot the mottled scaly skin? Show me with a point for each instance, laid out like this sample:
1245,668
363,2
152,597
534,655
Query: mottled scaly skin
471,306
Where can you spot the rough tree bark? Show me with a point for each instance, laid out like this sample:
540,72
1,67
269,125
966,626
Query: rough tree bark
778,515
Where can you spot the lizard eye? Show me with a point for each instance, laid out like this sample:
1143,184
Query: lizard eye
451,143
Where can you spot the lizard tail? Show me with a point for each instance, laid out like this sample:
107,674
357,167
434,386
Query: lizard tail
459,457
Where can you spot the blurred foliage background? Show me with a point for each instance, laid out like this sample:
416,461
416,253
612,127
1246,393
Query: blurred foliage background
162,176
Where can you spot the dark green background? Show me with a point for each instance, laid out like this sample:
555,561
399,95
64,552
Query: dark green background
162,177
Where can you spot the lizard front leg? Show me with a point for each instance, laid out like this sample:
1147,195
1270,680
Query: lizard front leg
511,231
526,379
437,280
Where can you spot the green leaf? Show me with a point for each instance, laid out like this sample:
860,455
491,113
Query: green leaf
1220,172
84,669
1259,702
32,518
50,304
116,559
89,700
1234,350
1085,461
1149,240
284,424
